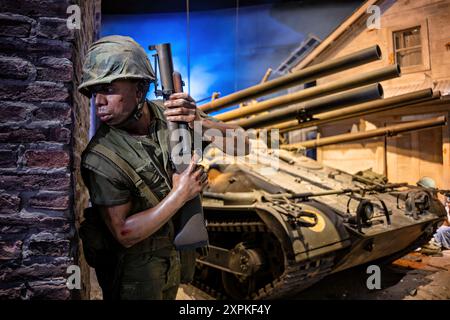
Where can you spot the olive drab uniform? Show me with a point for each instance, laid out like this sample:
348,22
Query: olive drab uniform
150,269
117,168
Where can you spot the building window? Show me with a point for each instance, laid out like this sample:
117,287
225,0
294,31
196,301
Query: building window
408,47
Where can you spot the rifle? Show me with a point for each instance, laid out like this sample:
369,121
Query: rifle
189,220
305,196
445,192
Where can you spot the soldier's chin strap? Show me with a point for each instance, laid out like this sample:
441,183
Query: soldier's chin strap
133,117
136,114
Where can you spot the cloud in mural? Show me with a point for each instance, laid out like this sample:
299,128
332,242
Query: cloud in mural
201,81
201,78
224,56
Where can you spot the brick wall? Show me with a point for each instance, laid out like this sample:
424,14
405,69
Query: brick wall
44,124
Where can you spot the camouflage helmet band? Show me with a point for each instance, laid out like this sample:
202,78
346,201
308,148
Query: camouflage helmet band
112,58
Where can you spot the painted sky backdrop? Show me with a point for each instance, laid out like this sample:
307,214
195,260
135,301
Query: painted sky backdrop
229,49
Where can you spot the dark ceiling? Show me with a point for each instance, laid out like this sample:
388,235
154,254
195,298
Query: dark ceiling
160,6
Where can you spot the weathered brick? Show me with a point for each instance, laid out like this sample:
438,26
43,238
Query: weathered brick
35,91
8,158
14,111
54,69
19,182
7,231
46,158
16,68
12,292
61,114
10,250
50,201
35,271
36,220
45,116
54,28
46,244
54,8
53,74
9,203
23,135
35,47
61,135
54,62
52,289
15,25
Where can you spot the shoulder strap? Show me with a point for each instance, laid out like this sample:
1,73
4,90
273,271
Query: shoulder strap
143,188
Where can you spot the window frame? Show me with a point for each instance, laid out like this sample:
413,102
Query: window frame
424,41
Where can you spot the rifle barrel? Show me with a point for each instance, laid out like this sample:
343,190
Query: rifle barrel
253,196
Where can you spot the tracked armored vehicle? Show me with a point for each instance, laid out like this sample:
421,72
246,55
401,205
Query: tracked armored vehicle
279,222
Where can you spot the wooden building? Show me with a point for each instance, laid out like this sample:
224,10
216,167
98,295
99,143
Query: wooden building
415,34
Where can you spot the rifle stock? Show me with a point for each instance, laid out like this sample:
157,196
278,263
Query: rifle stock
190,222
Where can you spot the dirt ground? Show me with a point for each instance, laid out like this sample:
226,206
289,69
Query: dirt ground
413,277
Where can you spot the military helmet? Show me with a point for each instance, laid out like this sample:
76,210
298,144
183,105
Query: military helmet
115,57
426,182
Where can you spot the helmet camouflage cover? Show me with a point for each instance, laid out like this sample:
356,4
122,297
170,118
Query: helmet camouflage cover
112,58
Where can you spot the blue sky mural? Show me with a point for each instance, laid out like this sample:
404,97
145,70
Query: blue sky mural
229,49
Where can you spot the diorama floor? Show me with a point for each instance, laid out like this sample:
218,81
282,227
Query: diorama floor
413,277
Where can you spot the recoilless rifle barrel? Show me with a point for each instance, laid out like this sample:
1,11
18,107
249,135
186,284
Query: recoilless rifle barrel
388,131
408,99
305,75
306,110
351,82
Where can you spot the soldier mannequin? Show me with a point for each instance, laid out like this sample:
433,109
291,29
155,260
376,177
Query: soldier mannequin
144,263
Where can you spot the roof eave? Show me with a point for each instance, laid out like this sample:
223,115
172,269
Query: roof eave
338,32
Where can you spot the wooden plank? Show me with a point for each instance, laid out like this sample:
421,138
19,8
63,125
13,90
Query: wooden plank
414,155
380,166
446,154
350,166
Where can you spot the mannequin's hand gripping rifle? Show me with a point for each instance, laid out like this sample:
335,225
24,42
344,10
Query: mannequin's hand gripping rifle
189,220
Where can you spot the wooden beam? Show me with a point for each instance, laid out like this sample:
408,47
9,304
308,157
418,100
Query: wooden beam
446,155
334,35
